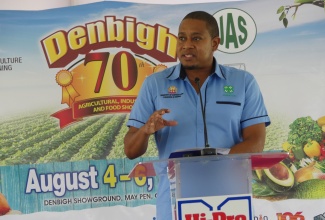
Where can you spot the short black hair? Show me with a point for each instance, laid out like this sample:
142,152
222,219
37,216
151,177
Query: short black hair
210,21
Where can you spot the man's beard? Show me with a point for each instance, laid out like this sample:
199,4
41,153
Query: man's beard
193,67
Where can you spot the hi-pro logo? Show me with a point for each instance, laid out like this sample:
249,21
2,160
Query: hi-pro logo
237,207
237,30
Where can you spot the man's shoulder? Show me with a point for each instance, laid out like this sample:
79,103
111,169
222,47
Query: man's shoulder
229,68
234,71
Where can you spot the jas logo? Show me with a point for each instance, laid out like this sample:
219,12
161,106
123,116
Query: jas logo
237,30
215,208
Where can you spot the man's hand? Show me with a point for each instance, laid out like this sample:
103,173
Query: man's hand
136,139
156,121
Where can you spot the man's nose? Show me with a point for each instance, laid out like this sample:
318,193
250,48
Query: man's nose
188,44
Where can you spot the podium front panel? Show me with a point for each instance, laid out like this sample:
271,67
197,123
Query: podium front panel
216,185
213,177
194,181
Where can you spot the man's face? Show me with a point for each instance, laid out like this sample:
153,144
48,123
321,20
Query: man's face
195,46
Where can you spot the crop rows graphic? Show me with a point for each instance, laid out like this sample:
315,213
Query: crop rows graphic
38,139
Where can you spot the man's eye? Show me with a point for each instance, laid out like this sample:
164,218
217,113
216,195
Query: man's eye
196,38
181,38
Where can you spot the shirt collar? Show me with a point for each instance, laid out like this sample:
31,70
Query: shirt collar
178,71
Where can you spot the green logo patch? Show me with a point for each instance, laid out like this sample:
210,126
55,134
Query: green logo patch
228,89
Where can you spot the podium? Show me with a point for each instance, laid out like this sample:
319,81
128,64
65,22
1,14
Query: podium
210,187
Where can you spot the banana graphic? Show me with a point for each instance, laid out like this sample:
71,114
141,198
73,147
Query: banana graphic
321,121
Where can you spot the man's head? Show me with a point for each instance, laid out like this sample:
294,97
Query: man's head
210,21
197,40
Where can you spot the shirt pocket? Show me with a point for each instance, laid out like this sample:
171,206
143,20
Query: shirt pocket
226,110
228,103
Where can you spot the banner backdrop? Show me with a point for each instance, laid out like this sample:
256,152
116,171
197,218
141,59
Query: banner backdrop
69,77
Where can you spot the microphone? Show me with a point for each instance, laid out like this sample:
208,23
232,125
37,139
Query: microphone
206,150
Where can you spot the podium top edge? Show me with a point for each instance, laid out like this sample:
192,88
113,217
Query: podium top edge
258,160
252,156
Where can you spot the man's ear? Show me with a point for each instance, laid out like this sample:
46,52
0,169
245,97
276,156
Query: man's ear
215,43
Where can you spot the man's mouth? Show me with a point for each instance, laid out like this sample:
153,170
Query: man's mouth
188,55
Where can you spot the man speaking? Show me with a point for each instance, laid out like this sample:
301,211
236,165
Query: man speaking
196,100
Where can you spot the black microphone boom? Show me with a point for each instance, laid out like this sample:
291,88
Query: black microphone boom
206,150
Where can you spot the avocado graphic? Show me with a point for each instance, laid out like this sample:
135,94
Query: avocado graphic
310,189
279,177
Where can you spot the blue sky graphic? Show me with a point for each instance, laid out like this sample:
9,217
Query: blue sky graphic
298,49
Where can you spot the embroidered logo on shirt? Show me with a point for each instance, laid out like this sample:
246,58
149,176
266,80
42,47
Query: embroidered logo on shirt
228,90
172,90
172,93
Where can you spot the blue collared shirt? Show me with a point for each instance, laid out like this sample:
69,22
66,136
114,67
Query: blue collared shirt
232,101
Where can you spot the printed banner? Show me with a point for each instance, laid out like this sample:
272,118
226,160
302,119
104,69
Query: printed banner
69,77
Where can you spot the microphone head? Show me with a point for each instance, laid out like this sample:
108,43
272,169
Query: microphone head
197,79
